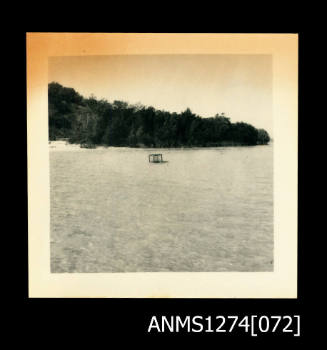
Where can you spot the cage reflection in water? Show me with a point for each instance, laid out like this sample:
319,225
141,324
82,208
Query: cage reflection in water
155,158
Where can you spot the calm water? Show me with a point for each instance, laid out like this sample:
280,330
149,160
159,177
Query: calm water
206,209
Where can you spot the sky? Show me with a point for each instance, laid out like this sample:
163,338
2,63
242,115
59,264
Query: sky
238,85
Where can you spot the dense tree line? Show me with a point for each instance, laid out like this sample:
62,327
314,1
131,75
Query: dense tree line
89,121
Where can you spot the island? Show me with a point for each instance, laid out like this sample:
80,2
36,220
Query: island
91,122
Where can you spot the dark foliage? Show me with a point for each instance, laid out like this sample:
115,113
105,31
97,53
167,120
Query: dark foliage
91,122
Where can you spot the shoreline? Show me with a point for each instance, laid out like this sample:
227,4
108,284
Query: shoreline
64,144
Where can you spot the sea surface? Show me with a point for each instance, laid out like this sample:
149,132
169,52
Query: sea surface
206,209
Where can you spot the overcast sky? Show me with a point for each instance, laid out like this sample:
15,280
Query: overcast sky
238,85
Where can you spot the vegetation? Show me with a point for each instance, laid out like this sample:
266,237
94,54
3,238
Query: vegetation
91,122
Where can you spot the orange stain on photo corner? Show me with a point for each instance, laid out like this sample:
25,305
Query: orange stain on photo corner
40,46
146,43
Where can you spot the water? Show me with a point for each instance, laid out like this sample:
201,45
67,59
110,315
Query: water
208,209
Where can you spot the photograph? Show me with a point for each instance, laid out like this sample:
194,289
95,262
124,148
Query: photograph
162,165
